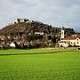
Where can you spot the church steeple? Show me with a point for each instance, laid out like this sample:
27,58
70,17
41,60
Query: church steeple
62,33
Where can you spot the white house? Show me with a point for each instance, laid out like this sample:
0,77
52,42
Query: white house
72,40
12,45
39,33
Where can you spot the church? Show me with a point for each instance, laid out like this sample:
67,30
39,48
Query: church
72,40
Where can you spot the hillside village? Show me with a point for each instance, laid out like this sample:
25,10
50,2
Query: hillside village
25,33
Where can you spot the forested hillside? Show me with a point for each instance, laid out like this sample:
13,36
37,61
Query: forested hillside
34,32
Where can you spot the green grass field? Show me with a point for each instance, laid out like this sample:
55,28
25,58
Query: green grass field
39,64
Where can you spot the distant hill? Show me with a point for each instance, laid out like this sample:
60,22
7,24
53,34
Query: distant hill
32,33
29,26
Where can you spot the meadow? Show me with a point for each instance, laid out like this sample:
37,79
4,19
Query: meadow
39,64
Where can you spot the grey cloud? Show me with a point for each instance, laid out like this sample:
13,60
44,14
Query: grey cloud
55,12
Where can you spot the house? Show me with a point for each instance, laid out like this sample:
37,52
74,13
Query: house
39,33
72,40
12,45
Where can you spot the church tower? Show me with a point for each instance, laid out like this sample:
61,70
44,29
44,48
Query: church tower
62,33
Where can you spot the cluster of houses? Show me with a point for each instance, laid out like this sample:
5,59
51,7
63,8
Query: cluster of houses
11,44
69,41
19,41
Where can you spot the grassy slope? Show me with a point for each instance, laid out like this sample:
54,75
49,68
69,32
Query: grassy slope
44,65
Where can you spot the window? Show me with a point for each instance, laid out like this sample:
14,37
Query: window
77,42
71,42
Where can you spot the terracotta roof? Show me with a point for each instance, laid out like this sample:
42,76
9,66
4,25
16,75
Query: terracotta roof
71,37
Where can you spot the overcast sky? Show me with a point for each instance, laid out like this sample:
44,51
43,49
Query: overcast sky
55,12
